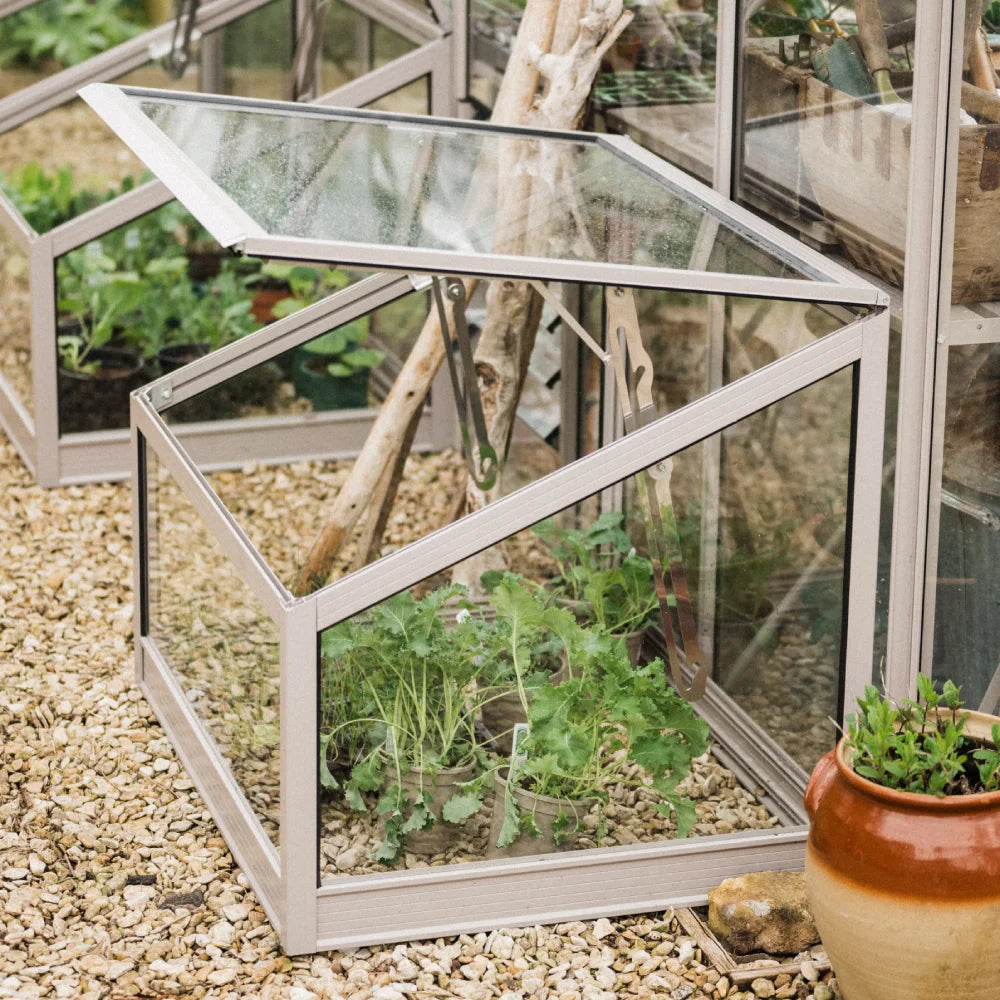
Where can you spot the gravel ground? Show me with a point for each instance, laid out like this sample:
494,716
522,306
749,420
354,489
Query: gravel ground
114,881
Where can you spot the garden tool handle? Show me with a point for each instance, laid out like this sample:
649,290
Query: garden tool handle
871,35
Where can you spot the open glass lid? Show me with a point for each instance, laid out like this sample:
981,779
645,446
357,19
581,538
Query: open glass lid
438,195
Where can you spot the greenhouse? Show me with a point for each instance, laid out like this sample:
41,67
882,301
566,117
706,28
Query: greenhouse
618,439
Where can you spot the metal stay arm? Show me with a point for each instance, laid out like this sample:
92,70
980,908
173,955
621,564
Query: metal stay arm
480,457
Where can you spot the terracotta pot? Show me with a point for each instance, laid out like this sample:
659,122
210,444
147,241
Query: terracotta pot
441,786
546,810
904,888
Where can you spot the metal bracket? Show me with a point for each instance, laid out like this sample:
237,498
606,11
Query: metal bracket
636,395
480,457
161,394
177,59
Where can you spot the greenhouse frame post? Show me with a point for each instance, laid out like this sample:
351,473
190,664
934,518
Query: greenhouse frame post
299,730
921,318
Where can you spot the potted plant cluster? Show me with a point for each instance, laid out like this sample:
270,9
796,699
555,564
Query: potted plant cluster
601,577
903,856
584,736
406,691
422,758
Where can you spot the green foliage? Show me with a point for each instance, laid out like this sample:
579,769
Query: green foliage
586,731
46,200
64,31
598,566
98,307
991,17
415,678
790,17
341,349
921,746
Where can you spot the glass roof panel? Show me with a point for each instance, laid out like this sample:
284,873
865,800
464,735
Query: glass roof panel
384,186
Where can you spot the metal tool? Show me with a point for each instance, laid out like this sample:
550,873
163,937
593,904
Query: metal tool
480,456
636,394
179,56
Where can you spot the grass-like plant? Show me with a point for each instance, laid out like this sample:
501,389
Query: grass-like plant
921,746
417,678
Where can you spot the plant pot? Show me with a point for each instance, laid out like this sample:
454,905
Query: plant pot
904,888
546,810
504,711
324,391
265,298
176,356
99,401
441,786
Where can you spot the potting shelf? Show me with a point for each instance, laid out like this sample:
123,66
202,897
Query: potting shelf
233,661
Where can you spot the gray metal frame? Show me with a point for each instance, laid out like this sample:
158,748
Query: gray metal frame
58,460
350,911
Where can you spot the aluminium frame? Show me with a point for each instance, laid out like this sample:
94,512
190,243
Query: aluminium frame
350,911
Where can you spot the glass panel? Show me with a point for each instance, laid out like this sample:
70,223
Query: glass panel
219,643
820,150
779,552
15,319
41,168
424,689
492,28
413,99
140,301
312,174
657,84
257,52
968,586
353,45
560,413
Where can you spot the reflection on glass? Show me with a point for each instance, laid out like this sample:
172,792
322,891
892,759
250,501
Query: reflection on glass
321,175
826,137
559,627
218,641
657,84
968,588
15,319
257,51
354,45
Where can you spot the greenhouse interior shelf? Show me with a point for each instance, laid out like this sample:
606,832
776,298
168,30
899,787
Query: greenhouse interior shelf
593,657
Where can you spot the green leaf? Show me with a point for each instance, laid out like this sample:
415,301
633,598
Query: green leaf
461,806
511,828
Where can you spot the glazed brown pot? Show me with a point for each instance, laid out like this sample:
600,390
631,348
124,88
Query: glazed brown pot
904,888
